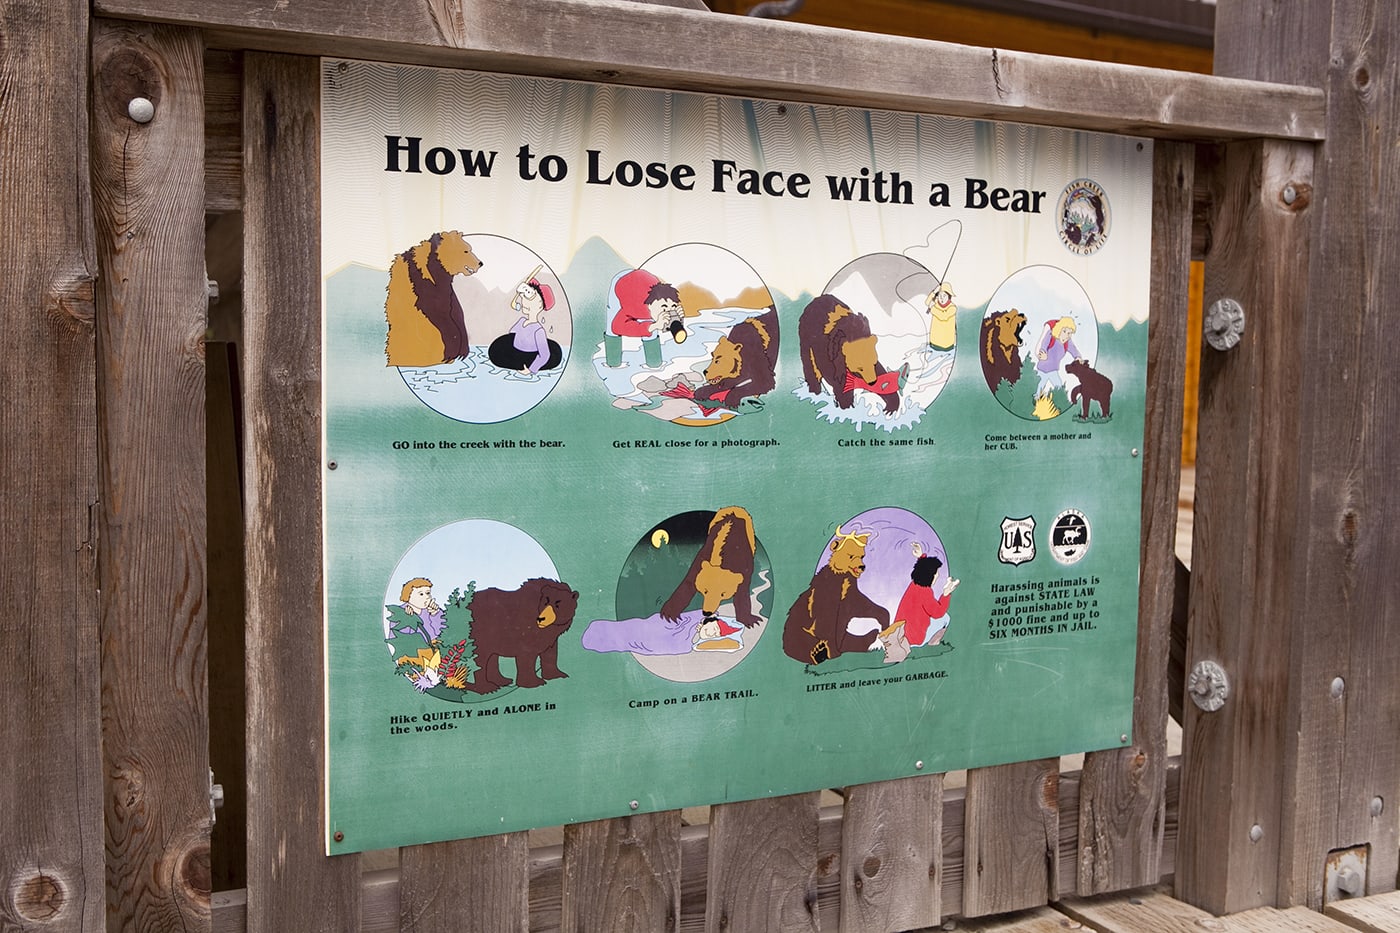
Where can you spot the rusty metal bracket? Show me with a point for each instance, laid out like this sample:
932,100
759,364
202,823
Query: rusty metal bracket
1345,874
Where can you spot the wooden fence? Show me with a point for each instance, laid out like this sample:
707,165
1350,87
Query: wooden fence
120,573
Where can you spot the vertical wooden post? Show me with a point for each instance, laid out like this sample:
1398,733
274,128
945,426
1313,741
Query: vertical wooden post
1342,777
1323,657
762,869
644,849
1242,581
1122,794
476,885
51,775
152,299
892,856
1011,837
292,884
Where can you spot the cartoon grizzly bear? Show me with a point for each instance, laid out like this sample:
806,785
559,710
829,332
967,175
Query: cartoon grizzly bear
425,320
835,341
742,364
1001,347
1093,386
722,570
816,627
523,624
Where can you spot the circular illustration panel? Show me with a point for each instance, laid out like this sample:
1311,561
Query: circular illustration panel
478,326
878,344
692,598
880,595
1038,342
475,607
691,337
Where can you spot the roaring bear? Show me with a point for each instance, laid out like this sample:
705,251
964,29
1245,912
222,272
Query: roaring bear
524,624
816,627
722,570
426,326
1093,386
743,363
1001,347
833,341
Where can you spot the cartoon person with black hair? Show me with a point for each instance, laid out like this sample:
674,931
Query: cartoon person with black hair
643,307
924,614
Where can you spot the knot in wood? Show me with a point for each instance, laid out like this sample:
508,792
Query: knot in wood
40,897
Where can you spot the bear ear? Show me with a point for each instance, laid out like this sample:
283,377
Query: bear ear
574,593
704,564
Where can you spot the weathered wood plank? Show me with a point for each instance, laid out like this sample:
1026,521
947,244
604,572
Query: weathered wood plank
646,851
892,855
1011,837
1242,577
1122,792
616,41
472,885
223,131
762,865
292,885
1292,920
1378,914
1341,775
51,856
151,301
546,871
1036,920
1139,910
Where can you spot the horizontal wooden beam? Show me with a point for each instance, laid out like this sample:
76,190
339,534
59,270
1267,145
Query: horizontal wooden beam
621,42
380,889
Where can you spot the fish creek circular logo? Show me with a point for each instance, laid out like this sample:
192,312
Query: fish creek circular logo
1083,217
1069,536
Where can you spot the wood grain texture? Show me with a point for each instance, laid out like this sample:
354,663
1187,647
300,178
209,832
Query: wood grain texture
762,866
616,41
892,855
1378,914
1011,837
1344,750
468,885
292,885
623,875
223,131
51,854
1122,795
151,302
1242,579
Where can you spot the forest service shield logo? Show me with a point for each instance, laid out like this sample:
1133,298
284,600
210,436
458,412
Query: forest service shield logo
1017,540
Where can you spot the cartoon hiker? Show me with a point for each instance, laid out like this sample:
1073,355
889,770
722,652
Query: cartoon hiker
923,615
526,348
425,616
943,315
1056,342
643,307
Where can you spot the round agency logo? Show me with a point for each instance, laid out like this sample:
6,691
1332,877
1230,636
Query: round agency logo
1083,217
1069,536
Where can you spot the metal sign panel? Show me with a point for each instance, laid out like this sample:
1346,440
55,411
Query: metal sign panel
683,449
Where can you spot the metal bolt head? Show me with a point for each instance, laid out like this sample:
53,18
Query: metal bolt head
1339,687
1208,685
1224,323
918,766
332,465
1290,194
1135,451
633,805
1350,882
141,110
339,836
1256,832
1377,806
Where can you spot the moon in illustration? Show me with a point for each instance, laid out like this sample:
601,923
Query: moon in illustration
659,538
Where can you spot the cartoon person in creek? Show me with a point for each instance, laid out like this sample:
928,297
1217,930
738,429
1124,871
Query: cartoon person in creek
418,603
643,307
943,314
924,615
527,349
1056,342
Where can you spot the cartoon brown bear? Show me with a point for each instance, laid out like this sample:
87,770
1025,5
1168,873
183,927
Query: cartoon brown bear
1093,386
721,571
426,326
834,341
742,364
816,627
524,624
